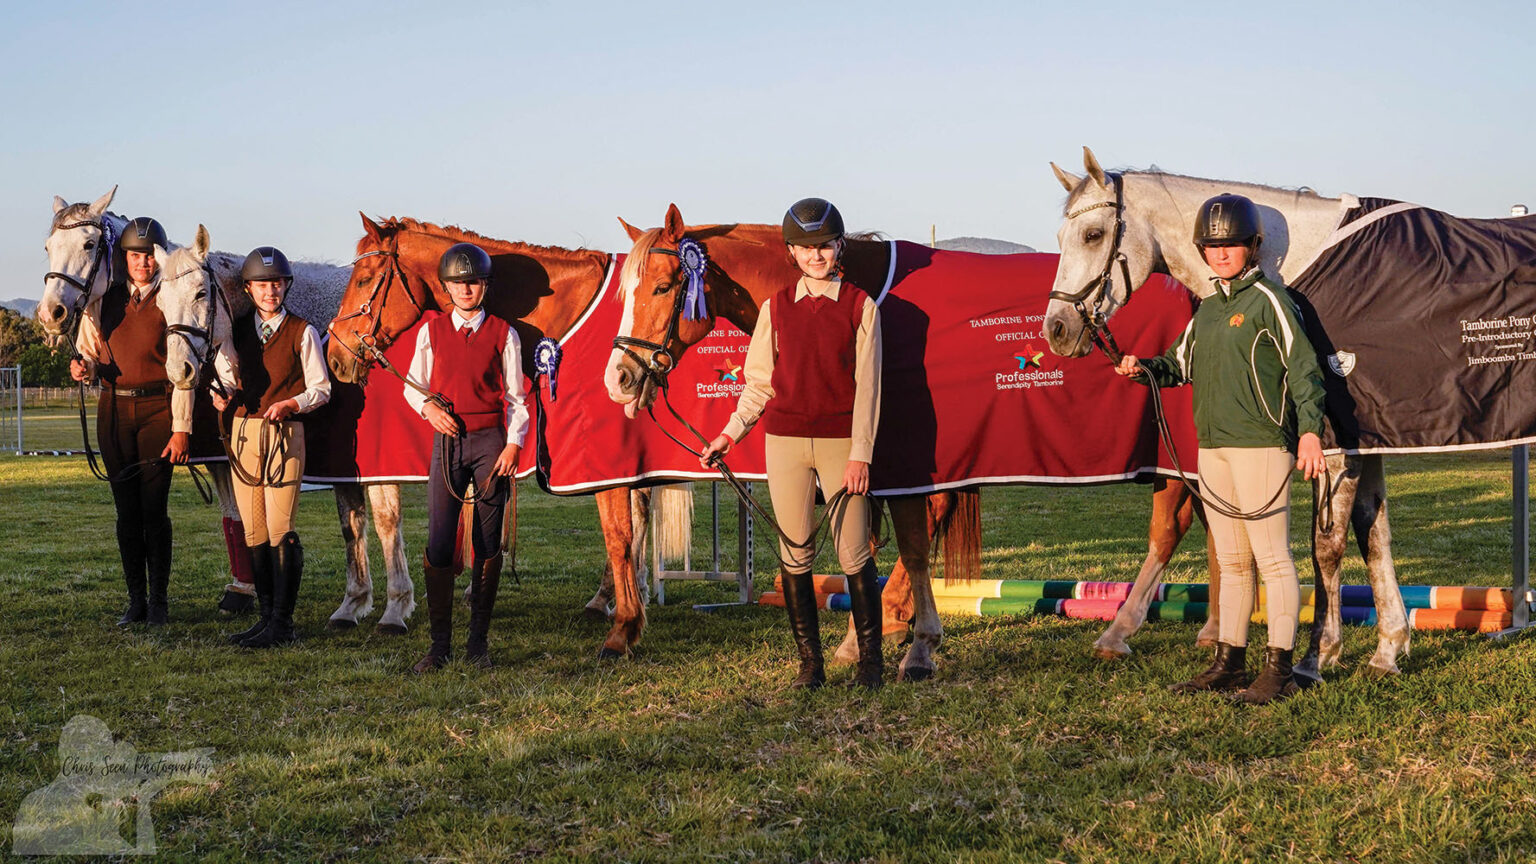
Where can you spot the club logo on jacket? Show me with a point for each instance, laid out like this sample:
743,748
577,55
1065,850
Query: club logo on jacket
1235,320
1342,363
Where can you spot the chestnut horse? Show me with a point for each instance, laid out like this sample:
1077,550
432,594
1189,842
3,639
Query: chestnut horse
747,265
544,291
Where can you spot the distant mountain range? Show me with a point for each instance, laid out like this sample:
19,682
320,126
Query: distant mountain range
23,305
985,245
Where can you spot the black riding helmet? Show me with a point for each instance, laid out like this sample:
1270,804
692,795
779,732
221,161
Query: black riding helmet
266,264
812,222
1229,220
464,262
142,235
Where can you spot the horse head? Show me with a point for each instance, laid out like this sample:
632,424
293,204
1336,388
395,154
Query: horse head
79,263
1104,257
195,312
379,303
665,311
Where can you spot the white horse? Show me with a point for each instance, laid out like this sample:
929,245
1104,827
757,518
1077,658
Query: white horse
79,264
1101,265
196,311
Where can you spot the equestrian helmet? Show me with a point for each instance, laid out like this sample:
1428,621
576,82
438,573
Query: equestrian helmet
266,264
142,235
464,262
1228,220
812,222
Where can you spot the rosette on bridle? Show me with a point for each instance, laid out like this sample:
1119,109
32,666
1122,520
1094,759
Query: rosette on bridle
546,362
691,253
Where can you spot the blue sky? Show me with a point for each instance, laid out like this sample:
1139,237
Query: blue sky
277,122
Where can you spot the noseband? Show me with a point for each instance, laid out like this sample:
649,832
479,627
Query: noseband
1095,321
368,343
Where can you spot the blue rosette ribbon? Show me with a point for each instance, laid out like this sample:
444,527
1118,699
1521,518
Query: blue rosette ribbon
546,362
108,237
691,253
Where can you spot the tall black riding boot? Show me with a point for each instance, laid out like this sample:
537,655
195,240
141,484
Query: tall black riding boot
864,600
487,579
261,576
287,568
800,603
158,567
1275,680
440,615
1228,671
130,545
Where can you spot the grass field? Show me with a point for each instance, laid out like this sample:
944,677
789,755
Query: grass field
1023,748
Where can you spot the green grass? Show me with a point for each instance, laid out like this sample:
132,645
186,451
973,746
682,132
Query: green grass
1023,748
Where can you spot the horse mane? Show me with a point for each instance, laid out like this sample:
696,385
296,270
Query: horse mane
1238,186
464,235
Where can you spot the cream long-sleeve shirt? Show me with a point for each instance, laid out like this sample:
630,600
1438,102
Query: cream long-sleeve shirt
758,372
511,373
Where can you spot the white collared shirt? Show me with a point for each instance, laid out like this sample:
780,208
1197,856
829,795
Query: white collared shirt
511,373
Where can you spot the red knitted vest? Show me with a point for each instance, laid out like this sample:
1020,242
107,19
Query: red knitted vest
468,371
272,372
135,337
817,344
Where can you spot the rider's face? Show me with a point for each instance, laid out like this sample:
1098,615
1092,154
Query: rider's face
141,266
1226,261
467,296
817,262
267,295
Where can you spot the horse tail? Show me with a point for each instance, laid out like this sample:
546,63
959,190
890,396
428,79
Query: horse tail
672,509
960,530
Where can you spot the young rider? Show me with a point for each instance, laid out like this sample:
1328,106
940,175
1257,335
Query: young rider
1258,411
474,361
282,376
813,377
143,425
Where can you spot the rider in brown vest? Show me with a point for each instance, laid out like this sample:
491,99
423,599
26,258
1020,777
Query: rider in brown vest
473,360
281,373
813,377
143,425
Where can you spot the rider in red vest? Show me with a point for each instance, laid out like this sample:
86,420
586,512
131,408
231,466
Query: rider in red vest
473,360
813,378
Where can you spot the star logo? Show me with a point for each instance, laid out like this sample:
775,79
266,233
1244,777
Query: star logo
1030,357
728,371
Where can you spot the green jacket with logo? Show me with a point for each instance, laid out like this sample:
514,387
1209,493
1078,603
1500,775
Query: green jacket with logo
1257,382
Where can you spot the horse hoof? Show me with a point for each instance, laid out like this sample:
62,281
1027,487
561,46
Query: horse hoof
1103,653
340,624
914,674
1376,673
1207,642
596,616
606,653
391,629
1306,677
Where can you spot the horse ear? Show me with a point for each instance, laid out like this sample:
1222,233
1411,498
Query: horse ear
200,243
99,206
633,232
1068,180
59,203
673,229
1092,164
370,227
162,257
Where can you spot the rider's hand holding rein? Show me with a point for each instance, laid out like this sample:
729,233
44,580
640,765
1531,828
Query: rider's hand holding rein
1129,366
441,420
715,449
856,477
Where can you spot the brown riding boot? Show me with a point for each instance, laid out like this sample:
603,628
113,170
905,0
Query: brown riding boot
486,579
440,616
804,623
1228,671
864,602
1274,682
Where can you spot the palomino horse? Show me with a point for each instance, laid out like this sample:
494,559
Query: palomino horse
545,291
1119,229
200,294
746,266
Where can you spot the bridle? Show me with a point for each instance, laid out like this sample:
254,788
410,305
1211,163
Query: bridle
83,286
191,334
369,349
1095,321
662,359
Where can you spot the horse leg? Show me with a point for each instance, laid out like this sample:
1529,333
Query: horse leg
613,507
385,500
909,523
1327,551
640,522
1374,535
896,596
357,602
1166,529
240,593
597,609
